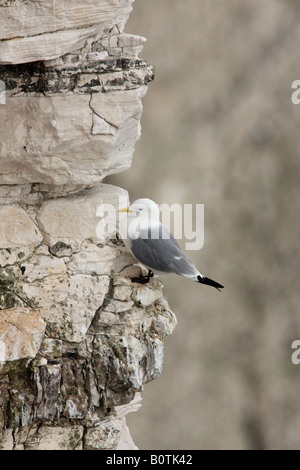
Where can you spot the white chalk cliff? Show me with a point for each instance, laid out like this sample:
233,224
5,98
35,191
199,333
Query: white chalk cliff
78,339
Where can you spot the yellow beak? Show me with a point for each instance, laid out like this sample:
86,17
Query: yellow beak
126,209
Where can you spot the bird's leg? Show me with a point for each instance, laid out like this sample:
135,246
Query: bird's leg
141,279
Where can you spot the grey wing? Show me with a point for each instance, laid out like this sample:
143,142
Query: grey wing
162,253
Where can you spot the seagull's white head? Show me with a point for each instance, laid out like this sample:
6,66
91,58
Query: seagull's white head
142,214
144,209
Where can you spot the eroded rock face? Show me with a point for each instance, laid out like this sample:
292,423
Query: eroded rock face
73,137
49,29
22,331
78,339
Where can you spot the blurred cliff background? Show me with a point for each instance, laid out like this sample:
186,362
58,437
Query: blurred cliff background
219,128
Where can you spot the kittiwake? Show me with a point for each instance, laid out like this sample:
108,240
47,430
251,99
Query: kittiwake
153,245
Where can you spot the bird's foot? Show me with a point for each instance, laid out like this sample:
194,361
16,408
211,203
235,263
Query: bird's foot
141,279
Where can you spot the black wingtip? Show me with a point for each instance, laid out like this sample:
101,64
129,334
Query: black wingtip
210,282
